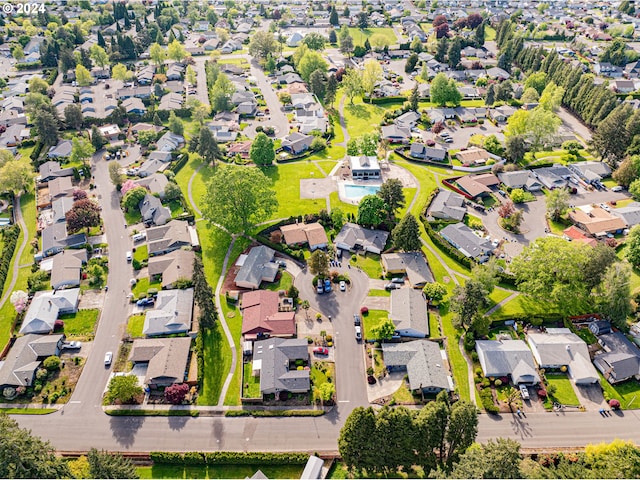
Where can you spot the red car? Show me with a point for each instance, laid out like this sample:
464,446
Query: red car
321,351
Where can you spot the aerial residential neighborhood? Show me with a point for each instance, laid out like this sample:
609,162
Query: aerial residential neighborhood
320,239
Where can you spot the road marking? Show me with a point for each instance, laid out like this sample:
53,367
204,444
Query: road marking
344,401
75,401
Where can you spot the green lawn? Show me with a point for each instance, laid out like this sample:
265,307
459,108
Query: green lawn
141,253
363,117
286,183
360,36
489,33
369,263
523,304
132,217
379,293
283,283
627,393
434,330
80,324
251,387
143,286
425,178
219,471
199,186
135,325
565,394
497,296
335,201
372,320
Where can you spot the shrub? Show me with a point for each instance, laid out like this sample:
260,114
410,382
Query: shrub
614,404
364,311
175,394
498,383
542,393
52,363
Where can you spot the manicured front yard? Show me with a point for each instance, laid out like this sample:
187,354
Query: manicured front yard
564,389
372,320
220,471
283,283
143,285
363,118
627,393
369,264
135,325
80,324
379,293
141,253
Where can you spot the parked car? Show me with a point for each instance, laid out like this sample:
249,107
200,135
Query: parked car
356,319
358,333
343,286
399,280
617,188
138,237
327,285
391,286
321,351
129,257
524,392
108,358
71,345
319,288
145,302
502,192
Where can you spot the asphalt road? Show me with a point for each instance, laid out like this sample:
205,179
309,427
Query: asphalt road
86,398
351,388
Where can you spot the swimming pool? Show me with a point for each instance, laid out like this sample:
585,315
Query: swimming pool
359,191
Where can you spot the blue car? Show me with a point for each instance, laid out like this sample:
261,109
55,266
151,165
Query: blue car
327,285
146,302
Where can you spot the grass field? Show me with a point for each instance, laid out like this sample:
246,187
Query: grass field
143,285
80,324
251,384
628,393
283,283
335,201
135,325
141,253
286,183
564,393
369,263
372,320
362,117
379,293
360,36
220,471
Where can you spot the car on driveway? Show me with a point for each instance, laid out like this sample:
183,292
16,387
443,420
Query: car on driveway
108,358
319,288
617,188
356,319
145,302
321,351
392,286
343,286
71,345
524,392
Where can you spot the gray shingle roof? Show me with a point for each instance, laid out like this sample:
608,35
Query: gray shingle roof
463,238
273,356
172,313
257,267
621,360
423,361
409,310
507,357
413,264
448,205
23,359
352,235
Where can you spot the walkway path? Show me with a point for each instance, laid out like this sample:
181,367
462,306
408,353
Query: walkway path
225,327
472,385
501,302
343,124
190,192
25,239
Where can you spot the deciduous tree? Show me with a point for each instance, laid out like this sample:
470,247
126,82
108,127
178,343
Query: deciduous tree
494,459
392,194
239,198
371,75
16,177
319,264
435,292
123,389
84,213
73,116
352,83
371,211
263,44
81,150
406,235
262,151
557,203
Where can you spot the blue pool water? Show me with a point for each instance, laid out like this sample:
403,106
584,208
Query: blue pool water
359,191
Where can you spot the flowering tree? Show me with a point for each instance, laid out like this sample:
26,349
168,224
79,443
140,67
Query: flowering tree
175,394
126,186
19,300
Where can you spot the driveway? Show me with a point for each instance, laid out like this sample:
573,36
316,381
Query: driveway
349,354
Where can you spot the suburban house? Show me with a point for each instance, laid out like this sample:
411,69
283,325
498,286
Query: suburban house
264,316
596,221
171,236
408,313
472,188
353,237
297,142
152,211
166,359
473,156
156,183
424,362
629,213
467,242
552,177
45,307
448,205
51,169
312,234
174,266
407,120
364,167
171,313
239,148
169,142
411,264
19,367
502,113
274,361
55,239
110,132
422,152
520,179
620,360
559,347
256,267
59,187
66,268
507,358
591,172
62,149
574,234
59,209
149,167
134,106
395,134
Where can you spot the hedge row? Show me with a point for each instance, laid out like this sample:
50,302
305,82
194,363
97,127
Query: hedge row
35,154
535,319
152,413
274,413
280,247
181,162
487,401
10,237
199,351
383,100
228,458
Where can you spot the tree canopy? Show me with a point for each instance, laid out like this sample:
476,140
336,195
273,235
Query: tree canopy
444,91
262,151
371,211
238,198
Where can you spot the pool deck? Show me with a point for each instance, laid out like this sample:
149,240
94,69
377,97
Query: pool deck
363,183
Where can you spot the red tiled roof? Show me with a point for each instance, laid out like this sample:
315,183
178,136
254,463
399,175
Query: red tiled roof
260,315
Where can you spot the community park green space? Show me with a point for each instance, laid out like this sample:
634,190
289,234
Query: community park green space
360,36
